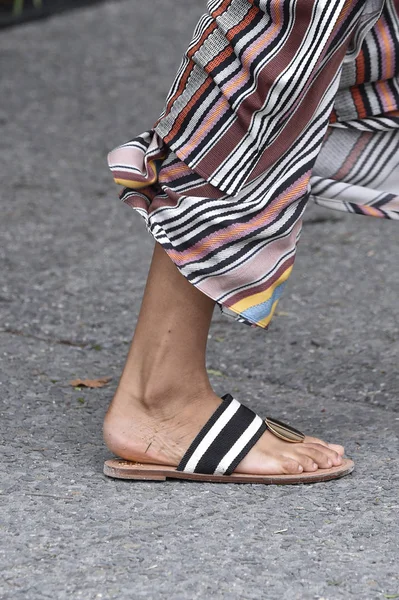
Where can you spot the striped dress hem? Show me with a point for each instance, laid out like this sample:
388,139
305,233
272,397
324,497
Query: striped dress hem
275,103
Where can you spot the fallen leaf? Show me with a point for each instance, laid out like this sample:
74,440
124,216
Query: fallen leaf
90,383
215,373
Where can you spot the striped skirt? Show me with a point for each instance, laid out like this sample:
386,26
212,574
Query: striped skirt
276,102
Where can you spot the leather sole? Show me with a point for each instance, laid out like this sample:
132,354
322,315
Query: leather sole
124,469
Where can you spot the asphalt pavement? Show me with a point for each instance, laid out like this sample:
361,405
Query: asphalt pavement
73,266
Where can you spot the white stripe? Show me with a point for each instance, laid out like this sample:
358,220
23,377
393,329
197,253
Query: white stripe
239,445
222,421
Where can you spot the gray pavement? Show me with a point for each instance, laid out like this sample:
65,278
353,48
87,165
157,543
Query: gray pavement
73,265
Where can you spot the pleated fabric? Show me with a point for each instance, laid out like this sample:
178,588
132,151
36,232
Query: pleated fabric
275,102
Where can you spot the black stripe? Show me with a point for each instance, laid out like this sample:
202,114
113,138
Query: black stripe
246,449
227,399
225,440
387,198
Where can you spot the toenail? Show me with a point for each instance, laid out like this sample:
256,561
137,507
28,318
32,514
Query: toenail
300,468
315,466
329,462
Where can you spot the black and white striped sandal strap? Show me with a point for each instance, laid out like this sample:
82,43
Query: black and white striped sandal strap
223,442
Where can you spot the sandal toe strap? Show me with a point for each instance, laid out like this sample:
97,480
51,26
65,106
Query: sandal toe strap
223,442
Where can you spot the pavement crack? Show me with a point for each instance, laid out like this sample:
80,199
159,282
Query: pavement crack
49,496
48,340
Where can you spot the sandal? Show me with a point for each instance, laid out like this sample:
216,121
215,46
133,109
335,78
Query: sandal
220,446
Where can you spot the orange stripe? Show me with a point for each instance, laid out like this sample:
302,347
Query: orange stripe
216,13
358,100
360,68
374,212
344,12
242,24
209,243
171,173
186,109
211,66
228,91
193,50
385,92
387,51
216,112
234,85
190,67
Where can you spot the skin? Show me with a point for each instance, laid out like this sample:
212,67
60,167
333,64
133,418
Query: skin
164,396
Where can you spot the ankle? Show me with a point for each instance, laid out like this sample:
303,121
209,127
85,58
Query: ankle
156,398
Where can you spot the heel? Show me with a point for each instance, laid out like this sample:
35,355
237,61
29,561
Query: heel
130,470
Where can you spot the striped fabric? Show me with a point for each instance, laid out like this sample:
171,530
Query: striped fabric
223,442
275,102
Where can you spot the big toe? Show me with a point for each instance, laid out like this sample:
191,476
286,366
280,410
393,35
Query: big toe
337,448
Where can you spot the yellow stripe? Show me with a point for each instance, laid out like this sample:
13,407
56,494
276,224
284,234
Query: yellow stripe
138,185
135,185
260,297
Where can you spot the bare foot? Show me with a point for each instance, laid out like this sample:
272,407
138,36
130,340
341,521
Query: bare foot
137,431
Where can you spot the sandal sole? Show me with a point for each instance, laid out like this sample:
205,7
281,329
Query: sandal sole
124,469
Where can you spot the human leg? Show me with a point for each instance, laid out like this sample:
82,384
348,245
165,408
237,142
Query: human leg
164,396
228,215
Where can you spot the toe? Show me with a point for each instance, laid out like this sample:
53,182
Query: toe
335,447
290,466
335,458
322,460
307,463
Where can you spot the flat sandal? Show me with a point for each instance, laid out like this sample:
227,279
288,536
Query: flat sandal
220,446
